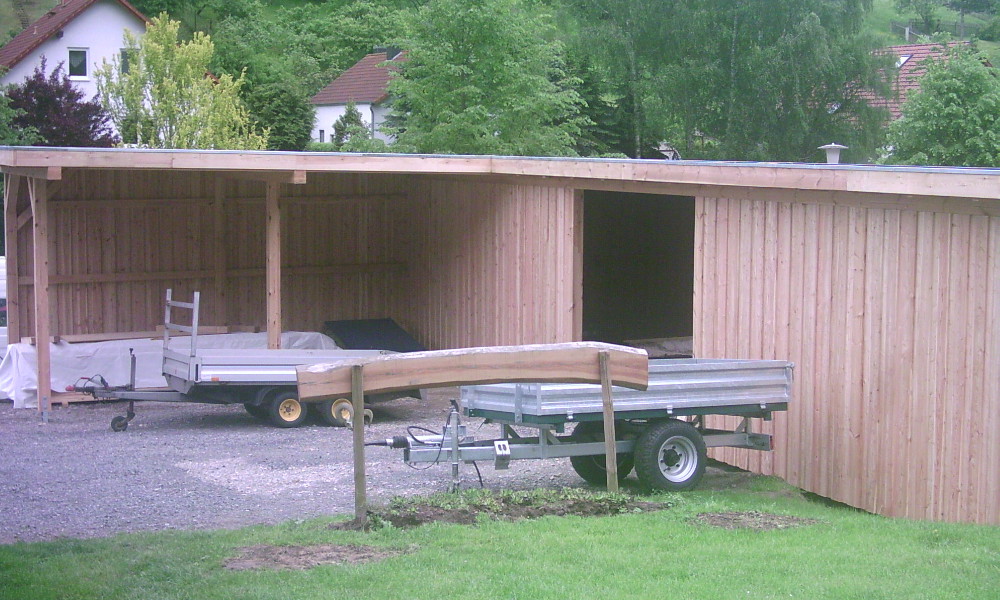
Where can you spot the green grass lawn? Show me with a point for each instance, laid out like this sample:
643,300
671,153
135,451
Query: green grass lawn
846,554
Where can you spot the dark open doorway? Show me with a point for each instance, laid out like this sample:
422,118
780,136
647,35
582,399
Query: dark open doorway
638,266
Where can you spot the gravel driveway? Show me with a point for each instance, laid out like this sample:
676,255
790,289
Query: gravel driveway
198,466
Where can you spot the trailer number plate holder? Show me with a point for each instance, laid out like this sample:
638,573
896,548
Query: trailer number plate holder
501,454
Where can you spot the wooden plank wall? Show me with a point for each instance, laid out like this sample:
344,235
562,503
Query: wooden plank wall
893,320
455,263
122,238
495,264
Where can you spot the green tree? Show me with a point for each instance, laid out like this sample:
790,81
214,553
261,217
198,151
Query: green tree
196,15
167,98
11,134
482,77
289,54
285,111
781,77
927,10
737,79
603,131
349,125
51,106
955,117
626,38
306,46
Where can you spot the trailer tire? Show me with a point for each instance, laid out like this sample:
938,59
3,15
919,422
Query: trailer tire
670,455
337,413
592,468
286,410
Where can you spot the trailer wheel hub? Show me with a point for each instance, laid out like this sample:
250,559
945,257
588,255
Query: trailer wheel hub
290,409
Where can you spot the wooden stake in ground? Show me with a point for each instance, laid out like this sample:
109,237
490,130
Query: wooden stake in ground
610,450
358,425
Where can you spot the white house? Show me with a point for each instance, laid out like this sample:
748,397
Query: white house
82,34
366,85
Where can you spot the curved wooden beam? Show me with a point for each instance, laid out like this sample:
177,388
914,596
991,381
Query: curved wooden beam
575,362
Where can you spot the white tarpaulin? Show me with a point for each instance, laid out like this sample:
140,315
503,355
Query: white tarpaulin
71,362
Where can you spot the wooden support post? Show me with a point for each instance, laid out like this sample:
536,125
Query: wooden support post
12,192
219,250
358,426
610,450
273,269
38,195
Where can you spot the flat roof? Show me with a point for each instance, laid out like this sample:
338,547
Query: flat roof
684,177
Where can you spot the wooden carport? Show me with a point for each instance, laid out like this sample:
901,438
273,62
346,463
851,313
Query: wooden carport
881,283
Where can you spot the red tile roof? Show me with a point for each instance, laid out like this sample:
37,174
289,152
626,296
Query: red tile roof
367,82
911,66
48,25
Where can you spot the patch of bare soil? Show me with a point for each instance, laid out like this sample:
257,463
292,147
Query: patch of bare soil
306,557
503,508
753,519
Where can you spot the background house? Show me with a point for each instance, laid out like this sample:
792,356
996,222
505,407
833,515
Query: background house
911,65
366,85
82,34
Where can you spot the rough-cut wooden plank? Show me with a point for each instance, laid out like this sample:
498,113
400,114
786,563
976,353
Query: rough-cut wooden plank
75,338
273,279
12,192
52,173
38,192
575,362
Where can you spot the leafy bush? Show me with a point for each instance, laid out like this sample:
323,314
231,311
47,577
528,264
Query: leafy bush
52,107
991,31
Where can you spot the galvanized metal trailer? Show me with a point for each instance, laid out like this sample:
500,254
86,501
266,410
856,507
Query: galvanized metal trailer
263,380
661,431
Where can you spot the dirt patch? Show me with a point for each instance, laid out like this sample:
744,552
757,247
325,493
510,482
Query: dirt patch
503,507
306,557
752,520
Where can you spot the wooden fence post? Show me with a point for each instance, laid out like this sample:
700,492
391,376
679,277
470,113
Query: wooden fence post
610,450
358,426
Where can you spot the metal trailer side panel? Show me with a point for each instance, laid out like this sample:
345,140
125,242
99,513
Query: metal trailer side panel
263,366
674,384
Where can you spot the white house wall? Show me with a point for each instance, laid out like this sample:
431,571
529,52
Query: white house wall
327,115
99,29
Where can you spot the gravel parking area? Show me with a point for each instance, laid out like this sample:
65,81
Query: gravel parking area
198,466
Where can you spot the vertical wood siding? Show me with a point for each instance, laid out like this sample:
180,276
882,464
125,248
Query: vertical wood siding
893,320
122,239
456,264
494,264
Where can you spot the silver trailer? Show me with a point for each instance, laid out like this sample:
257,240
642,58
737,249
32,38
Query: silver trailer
263,380
660,432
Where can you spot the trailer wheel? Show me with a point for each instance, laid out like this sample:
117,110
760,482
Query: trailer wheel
592,468
670,455
119,424
285,409
336,412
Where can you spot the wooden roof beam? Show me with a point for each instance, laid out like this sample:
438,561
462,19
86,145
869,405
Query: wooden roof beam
46,173
296,177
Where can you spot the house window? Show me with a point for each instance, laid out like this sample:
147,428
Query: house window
322,136
78,63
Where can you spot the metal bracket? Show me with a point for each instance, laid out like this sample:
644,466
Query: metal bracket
501,454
